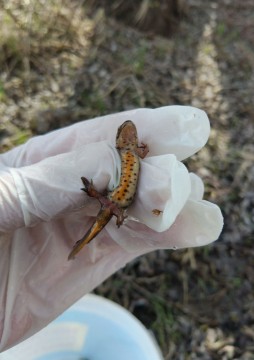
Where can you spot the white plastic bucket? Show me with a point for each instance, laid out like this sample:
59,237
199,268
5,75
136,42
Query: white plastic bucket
92,329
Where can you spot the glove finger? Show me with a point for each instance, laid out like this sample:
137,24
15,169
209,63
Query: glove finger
52,187
179,130
199,223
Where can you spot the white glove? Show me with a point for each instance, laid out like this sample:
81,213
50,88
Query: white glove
43,212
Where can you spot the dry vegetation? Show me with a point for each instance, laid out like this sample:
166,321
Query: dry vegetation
63,61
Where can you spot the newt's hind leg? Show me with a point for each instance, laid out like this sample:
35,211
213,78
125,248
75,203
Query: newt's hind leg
90,189
120,215
114,208
104,200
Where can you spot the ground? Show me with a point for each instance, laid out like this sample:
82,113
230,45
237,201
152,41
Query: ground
62,62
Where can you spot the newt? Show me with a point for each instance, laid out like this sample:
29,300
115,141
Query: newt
115,202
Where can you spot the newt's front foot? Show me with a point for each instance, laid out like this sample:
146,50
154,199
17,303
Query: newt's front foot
142,150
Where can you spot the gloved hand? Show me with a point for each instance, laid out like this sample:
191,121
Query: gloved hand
43,212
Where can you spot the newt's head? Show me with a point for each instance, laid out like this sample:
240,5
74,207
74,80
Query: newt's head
127,137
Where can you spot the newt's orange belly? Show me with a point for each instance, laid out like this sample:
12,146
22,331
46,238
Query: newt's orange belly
124,194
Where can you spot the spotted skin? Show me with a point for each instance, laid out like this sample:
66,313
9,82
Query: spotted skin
124,194
118,200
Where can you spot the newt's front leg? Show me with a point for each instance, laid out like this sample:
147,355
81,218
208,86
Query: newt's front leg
142,150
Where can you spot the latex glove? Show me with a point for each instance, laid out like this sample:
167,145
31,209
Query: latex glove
43,212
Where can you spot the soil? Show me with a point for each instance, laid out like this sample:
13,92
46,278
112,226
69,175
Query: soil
67,61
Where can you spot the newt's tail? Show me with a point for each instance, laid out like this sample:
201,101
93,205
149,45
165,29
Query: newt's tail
103,217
